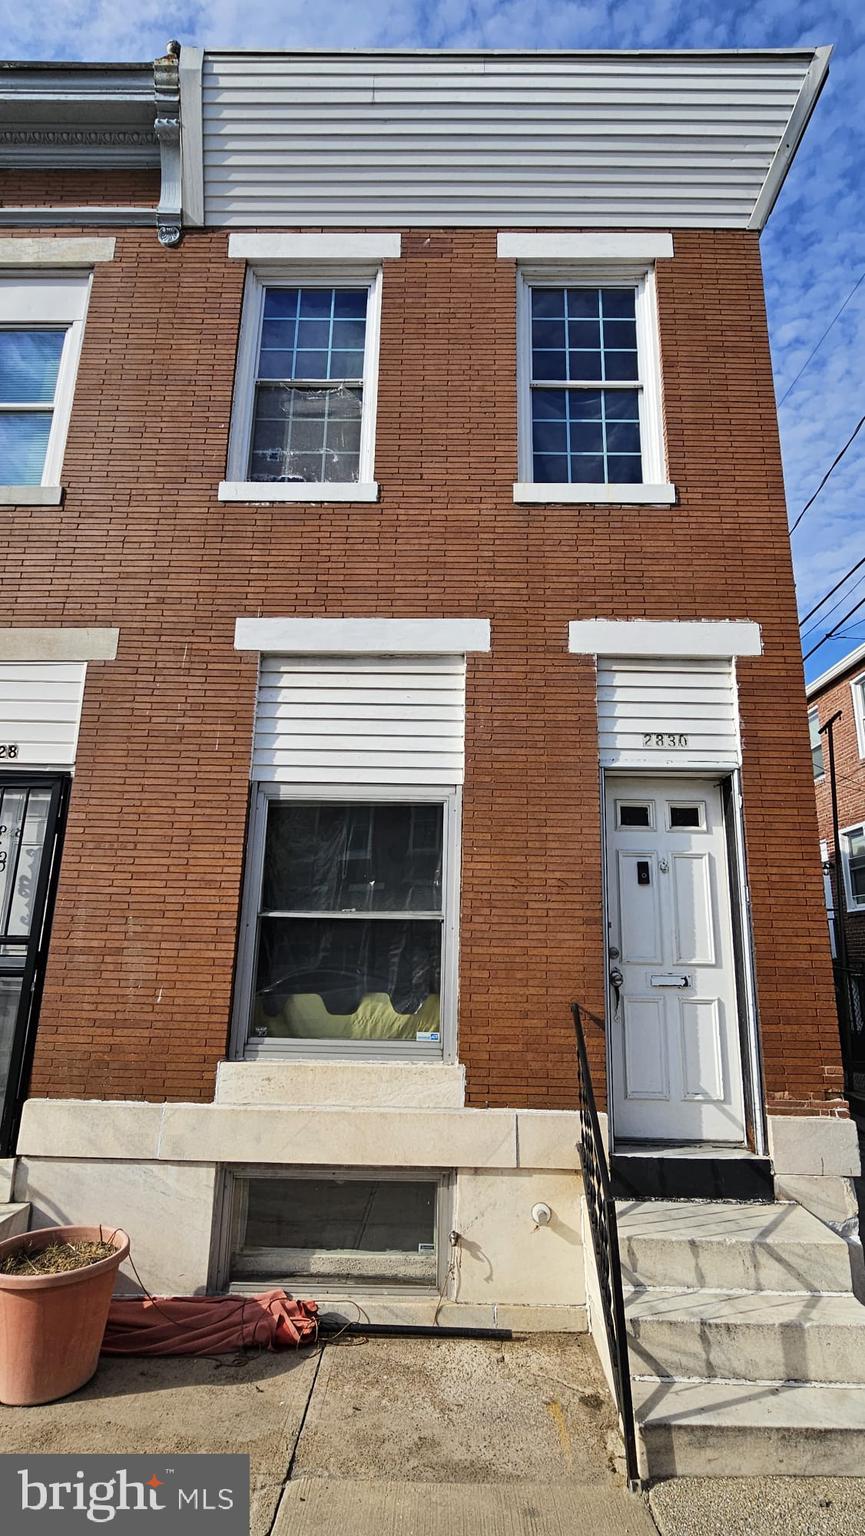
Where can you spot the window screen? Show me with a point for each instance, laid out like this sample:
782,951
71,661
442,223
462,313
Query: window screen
29,368
585,386
337,1229
309,386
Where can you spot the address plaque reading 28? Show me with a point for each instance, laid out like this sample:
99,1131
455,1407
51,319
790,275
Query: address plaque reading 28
9,750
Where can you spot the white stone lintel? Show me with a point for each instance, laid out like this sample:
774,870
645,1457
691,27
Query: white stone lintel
352,637
66,644
290,246
646,245
645,637
56,251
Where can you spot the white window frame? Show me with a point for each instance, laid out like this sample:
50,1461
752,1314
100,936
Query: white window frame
324,1286
48,302
850,902
230,1213
244,1048
654,488
814,713
238,486
857,694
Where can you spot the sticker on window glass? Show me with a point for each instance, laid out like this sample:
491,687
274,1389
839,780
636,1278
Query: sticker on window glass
428,1034
426,1247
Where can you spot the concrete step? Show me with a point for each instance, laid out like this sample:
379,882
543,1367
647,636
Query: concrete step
14,1218
748,1336
730,1429
728,1246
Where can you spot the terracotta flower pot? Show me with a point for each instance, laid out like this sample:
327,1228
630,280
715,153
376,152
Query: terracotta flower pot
51,1326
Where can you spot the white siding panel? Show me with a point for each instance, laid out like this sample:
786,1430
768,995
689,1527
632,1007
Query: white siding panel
493,139
667,713
373,720
40,709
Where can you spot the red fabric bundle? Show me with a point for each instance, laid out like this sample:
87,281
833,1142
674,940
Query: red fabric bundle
208,1325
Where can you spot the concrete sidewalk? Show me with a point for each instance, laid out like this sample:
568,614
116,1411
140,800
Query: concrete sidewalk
321,1507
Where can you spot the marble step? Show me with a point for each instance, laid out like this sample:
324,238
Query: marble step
14,1218
733,1429
746,1336
723,1245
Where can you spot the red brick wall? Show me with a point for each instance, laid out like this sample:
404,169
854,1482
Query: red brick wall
850,786
139,979
24,188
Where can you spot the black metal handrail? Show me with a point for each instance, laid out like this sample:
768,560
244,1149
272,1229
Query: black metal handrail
601,1207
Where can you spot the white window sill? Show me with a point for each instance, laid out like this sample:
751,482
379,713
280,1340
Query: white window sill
542,494
31,495
303,491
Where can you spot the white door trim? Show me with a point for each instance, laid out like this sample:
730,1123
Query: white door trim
751,1053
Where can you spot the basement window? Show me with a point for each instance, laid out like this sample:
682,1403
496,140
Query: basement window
331,1229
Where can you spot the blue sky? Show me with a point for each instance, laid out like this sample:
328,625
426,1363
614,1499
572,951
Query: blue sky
813,248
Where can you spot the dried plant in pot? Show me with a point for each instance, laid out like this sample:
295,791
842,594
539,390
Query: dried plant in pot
52,1317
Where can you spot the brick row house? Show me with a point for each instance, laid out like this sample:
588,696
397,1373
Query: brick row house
836,699
399,643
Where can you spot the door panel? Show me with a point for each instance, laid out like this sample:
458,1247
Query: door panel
692,899
676,1069
30,822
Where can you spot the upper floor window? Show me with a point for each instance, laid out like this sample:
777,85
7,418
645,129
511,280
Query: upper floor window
589,372
816,743
303,422
585,386
853,860
857,689
41,325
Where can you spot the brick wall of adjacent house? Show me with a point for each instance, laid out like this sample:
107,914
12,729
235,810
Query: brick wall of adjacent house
139,979
850,788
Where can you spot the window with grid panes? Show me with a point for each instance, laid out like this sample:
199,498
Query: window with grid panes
309,385
29,370
585,386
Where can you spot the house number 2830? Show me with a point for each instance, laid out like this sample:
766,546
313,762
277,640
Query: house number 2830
9,750
664,739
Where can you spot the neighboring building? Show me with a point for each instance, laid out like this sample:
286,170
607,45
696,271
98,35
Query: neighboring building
425,466
840,691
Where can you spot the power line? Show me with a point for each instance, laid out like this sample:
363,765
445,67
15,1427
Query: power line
815,350
834,630
832,590
834,608
835,462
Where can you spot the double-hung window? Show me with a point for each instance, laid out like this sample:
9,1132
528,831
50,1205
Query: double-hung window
585,386
853,860
349,933
303,420
590,412
41,324
857,690
816,743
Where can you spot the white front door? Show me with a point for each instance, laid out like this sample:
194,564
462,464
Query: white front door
674,1028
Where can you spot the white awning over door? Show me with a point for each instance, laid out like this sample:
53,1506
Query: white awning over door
668,712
